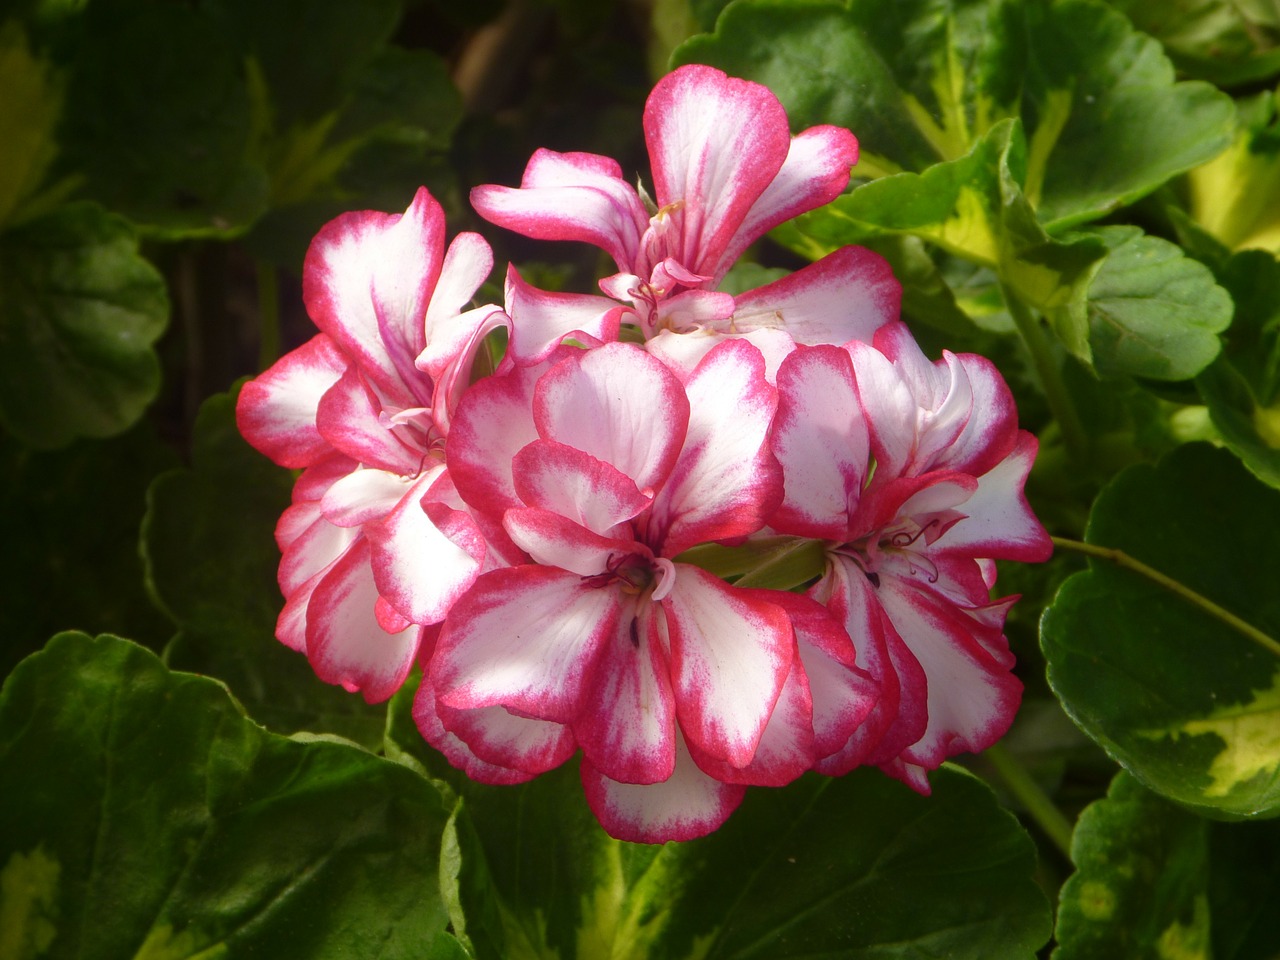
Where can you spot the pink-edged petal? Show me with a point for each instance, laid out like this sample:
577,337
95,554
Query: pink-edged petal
618,404
525,638
847,295
694,309
972,697
501,738
350,417
449,328
345,643
842,694
992,430
726,482
730,655
309,543
456,376
912,774
366,282
682,352
898,718
315,480
786,748
815,172
715,143
560,478
457,752
687,805
998,520
276,410
426,555
556,541
627,724
570,196
363,496
890,409
541,320
493,422
820,439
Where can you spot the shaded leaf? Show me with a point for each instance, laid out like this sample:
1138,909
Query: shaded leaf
216,580
79,310
1155,882
1187,704
155,820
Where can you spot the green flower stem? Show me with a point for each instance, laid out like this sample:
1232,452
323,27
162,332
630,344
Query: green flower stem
1122,559
1055,391
269,315
1033,799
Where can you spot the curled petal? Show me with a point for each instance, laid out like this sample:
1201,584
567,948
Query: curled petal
501,738
456,751
541,320
449,328
560,478
351,418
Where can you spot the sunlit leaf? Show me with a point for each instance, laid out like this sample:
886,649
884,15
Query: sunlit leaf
145,816
1187,703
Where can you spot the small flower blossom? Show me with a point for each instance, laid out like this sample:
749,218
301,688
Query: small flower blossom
726,170
912,473
376,543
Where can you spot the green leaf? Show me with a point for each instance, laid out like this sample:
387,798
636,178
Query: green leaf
923,80
1154,882
217,581
79,310
1183,700
149,818
157,120
1242,387
858,867
1153,312
1227,42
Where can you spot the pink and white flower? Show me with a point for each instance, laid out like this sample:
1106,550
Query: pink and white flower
679,688
912,473
726,170
377,543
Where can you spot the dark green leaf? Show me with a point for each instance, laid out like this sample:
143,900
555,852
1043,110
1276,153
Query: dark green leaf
859,867
1154,882
1188,704
1242,388
217,581
157,120
1153,312
79,310
154,820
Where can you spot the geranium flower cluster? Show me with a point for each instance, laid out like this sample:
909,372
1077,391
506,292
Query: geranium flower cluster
708,540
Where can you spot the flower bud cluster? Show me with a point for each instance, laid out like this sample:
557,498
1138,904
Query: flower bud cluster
757,542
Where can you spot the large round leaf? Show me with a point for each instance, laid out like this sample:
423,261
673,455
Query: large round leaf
144,815
1186,702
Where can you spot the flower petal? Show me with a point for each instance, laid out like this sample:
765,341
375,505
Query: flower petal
350,417
541,320
687,805
726,482
716,143
525,638
618,404
570,196
276,410
564,480
454,749
730,655
847,295
821,441
449,328
345,643
501,738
